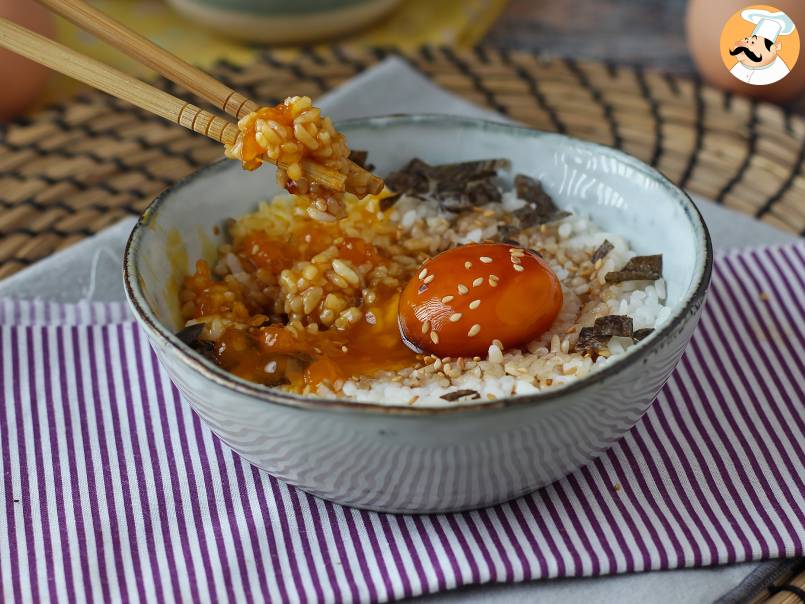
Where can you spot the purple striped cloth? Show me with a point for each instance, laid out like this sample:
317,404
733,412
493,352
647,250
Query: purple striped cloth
113,490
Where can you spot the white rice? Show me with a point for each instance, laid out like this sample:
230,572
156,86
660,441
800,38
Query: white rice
546,362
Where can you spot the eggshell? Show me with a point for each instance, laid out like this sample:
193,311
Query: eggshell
23,80
704,22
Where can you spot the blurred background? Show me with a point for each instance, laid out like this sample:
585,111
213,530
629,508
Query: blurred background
674,36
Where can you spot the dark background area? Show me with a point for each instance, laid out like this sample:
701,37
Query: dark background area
650,33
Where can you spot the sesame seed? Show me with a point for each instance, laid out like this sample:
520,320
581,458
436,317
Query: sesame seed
344,349
519,268
434,337
423,273
516,259
447,299
478,282
462,289
475,304
426,327
455,317
486,259
474,330
468,264
429,278
494,277
517,251
493,282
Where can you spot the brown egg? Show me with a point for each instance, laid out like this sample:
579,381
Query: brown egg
465,298
704,23
23,80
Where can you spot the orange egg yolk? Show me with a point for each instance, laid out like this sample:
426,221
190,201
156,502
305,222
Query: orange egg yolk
465,298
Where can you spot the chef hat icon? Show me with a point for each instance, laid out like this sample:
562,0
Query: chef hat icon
768,25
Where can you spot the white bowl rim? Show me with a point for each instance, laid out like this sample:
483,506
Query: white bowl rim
690,301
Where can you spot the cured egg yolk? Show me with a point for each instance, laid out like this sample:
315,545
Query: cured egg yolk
466,297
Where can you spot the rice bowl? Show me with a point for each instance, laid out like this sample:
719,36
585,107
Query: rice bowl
354,453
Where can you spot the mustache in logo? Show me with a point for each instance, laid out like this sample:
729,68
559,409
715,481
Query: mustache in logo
743,49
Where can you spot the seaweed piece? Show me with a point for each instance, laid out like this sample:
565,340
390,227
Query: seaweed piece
190,334
459,394
389,201
507,233
456,186
462,172
471,194
601,252
412,178
638,268
589,342
359,157
640,334
205,348
614,325
540,207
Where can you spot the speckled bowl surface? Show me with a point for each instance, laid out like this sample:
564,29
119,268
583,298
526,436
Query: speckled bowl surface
409,459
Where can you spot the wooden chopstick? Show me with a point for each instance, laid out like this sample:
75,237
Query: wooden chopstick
157,58
71,63
183,73
123,86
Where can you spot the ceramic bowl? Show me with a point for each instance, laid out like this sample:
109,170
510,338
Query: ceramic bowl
404,459
284,21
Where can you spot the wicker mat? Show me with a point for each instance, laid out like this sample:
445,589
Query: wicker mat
75,168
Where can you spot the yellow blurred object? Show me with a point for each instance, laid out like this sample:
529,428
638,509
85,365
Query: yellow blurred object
413,24
24,80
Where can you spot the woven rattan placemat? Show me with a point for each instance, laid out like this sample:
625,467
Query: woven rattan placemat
75,168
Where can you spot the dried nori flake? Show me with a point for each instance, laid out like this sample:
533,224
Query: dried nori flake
456,186
413,178
190,334
638,268
359,157
205,348
540,207
601,252
613,325
460,394
389,201
462,172
589,342
639,334
507,233
468,195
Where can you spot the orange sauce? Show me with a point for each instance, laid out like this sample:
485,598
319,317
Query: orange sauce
374,344
251,148
272,354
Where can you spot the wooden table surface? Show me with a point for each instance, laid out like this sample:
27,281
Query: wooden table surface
650,33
